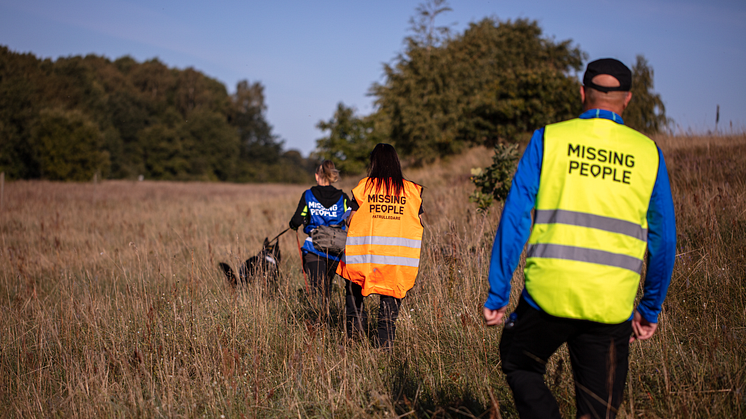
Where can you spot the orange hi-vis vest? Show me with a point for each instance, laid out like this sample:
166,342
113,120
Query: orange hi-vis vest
382,253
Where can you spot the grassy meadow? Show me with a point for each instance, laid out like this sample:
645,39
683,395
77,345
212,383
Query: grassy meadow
111,305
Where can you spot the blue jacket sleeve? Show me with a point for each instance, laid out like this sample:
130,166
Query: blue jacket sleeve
515,223
661,246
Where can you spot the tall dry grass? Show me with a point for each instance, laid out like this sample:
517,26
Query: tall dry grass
112,305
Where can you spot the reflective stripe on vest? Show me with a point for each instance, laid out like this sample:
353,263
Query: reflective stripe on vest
586,248
599,222
384,240
580,254
381,260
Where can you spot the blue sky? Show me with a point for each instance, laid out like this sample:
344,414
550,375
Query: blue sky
312,55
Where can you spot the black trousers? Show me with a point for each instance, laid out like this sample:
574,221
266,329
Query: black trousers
598,353
320,271
356,324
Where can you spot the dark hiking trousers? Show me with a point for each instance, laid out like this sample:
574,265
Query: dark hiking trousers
320,271
598,353
356,324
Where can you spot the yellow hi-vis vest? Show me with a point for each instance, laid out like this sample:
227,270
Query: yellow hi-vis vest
586,248
382,253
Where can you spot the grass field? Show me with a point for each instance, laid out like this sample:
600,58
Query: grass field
112,305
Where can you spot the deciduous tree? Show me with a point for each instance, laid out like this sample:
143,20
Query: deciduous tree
497,80
350,140
646,111
68,146
149,119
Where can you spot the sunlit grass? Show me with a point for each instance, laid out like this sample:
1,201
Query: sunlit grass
112,305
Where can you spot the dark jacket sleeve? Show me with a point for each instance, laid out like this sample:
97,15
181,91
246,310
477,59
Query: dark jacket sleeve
422,211
354,206
299,218
347,201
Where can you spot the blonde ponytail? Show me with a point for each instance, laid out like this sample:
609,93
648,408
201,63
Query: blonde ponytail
328,171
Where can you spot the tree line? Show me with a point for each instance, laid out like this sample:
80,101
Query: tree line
77,117
494,83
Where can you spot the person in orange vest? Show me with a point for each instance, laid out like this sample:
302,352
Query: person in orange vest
592,199
382,253
320,205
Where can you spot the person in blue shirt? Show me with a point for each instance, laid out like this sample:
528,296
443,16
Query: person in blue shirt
326,205
600,198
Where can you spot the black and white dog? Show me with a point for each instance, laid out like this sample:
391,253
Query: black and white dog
265,265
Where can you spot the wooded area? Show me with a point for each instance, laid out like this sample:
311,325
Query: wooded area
75,117
496,82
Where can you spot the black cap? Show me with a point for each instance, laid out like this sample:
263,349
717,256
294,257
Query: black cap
612,67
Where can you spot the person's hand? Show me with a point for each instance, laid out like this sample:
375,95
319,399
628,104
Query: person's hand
641,328
349,218
494,317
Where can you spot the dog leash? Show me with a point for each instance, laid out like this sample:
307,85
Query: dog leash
281,233
300,253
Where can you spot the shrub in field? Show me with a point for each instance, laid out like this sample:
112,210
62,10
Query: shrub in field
493,183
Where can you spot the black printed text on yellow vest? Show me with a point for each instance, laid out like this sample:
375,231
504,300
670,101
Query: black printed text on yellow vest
586,248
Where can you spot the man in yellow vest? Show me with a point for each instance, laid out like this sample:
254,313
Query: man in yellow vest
600,198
